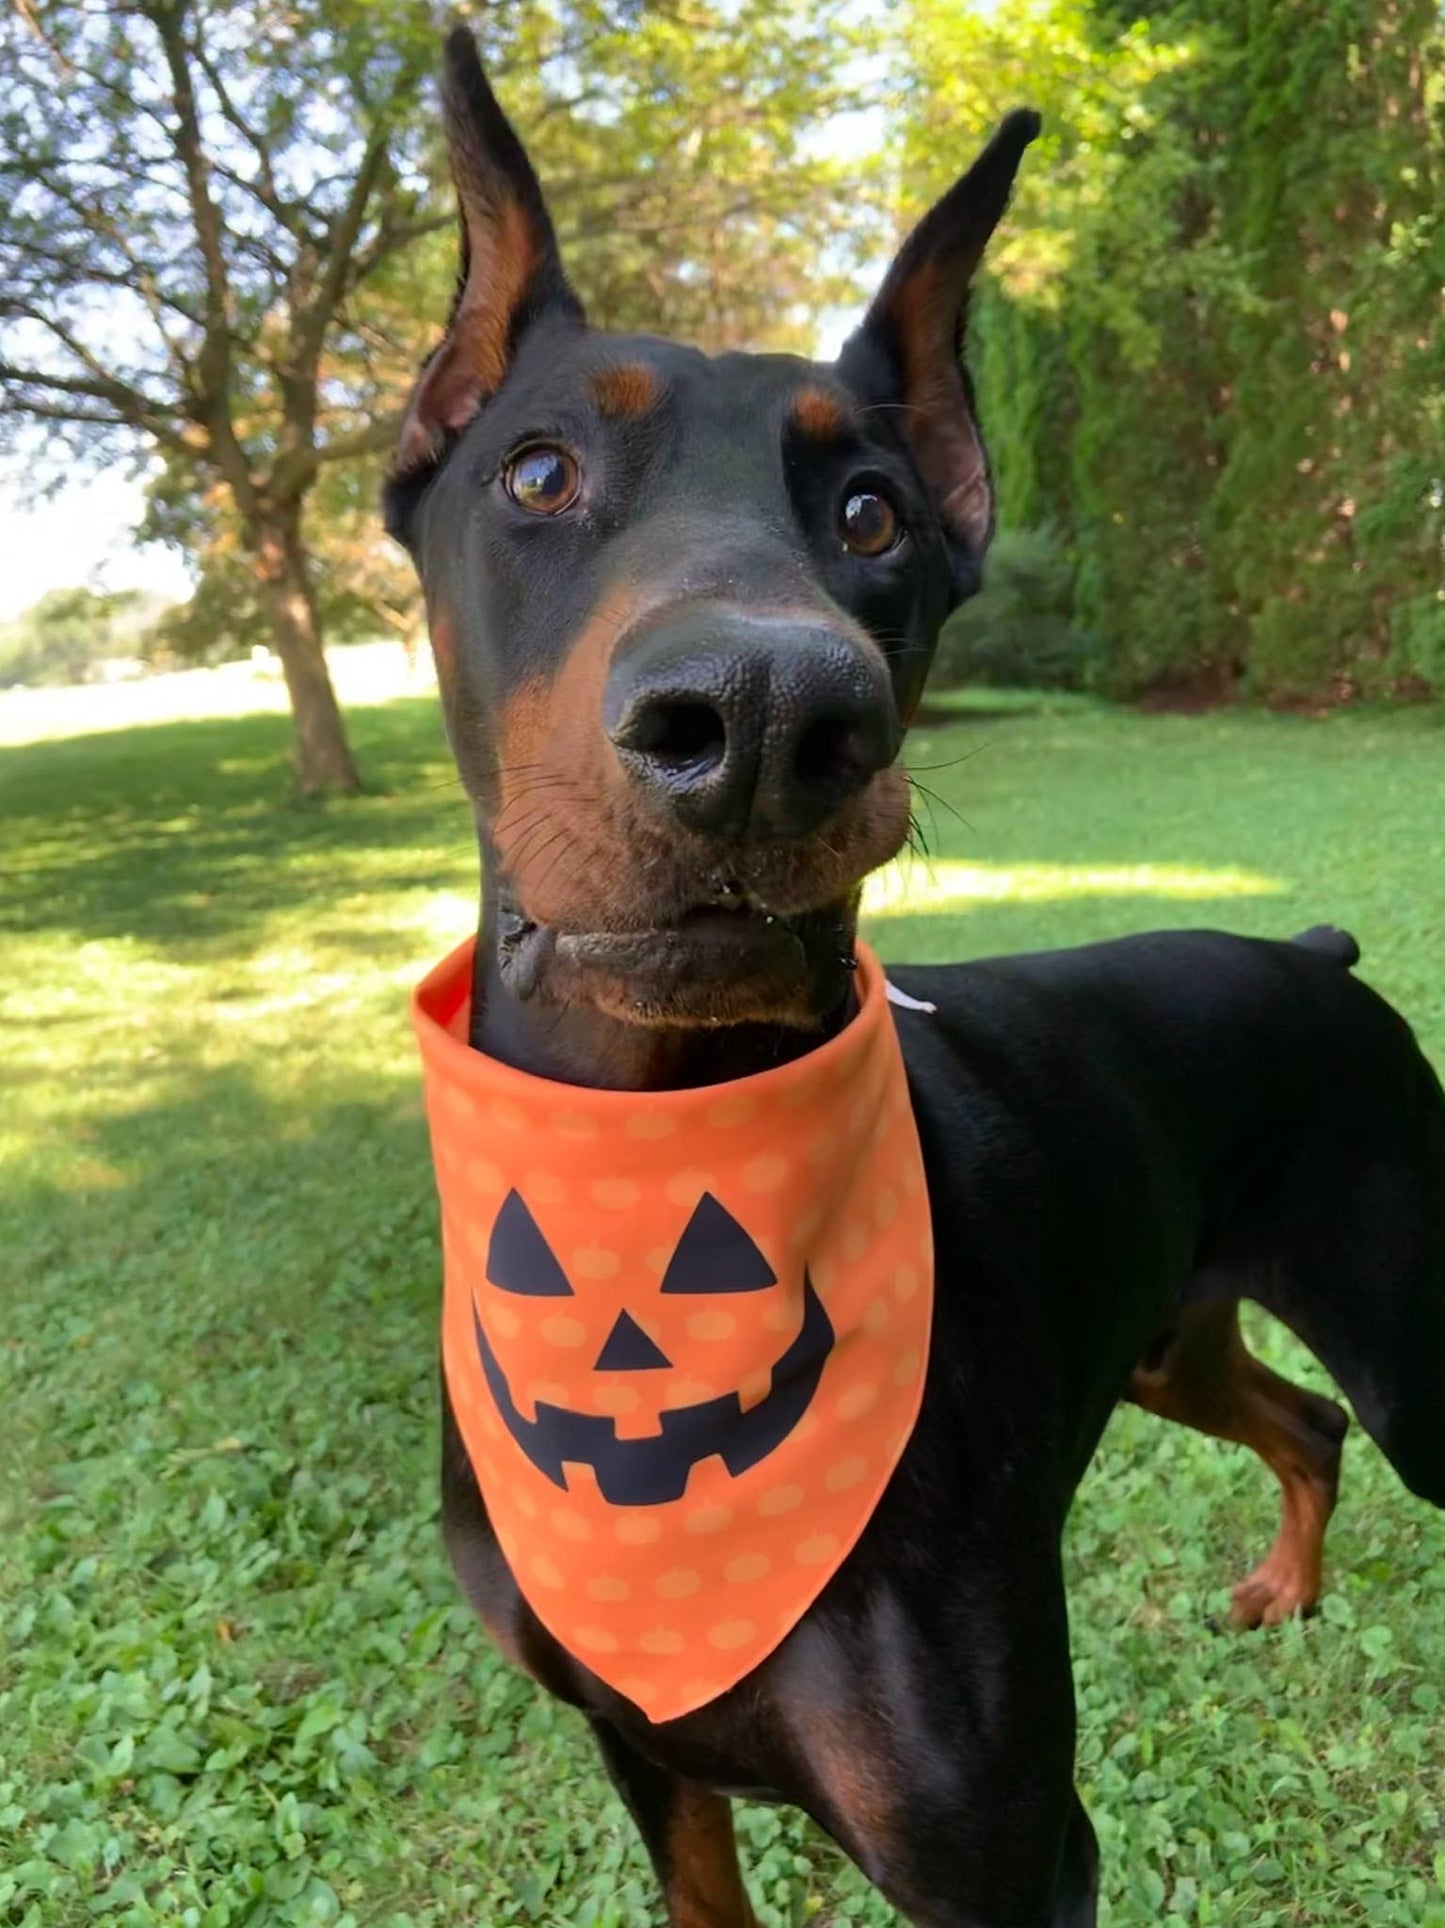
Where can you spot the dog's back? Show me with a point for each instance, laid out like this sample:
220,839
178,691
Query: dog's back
1208,1117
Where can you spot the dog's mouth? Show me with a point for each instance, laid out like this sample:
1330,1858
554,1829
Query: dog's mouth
708,938
726,960
616,911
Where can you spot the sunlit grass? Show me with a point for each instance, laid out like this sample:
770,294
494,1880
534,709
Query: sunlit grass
362,673
918,884
236,1682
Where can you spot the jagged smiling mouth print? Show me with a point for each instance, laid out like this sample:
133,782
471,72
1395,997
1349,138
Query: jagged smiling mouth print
651,1471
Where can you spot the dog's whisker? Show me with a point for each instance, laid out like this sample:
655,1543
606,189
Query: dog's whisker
952,763
934,797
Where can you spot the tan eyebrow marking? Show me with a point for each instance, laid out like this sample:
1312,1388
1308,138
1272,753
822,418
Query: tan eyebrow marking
627,389
823,413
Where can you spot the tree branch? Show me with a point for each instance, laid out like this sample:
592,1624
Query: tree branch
133,409
390,240
264,186
110,382
77,273
43,412
213,364
345,232
296,467
374,439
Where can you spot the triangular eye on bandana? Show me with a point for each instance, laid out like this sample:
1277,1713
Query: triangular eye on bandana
519,1259
715,1254
685,1335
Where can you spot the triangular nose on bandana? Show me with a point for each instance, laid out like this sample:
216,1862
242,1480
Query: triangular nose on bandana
685,1334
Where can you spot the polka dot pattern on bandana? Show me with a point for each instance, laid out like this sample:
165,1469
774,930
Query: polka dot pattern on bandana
685,1337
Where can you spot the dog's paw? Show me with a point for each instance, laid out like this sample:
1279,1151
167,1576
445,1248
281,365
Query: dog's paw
1275,1592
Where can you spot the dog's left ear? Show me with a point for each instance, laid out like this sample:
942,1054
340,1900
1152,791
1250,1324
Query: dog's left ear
908,352
511,271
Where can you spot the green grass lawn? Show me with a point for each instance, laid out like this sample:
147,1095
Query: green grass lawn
236,1682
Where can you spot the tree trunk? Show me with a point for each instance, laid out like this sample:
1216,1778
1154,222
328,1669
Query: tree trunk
323,756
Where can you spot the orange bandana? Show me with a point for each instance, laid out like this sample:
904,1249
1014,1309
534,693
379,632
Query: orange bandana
684,1333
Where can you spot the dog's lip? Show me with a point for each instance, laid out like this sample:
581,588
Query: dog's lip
731,915
704,940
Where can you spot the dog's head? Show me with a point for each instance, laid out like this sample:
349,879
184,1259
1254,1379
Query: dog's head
683,607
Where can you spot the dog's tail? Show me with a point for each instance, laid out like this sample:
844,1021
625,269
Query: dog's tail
1330,942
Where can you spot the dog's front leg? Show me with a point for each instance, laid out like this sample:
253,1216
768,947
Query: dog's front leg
932,1727
688,1832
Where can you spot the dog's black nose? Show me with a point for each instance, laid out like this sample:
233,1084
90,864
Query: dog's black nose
750,727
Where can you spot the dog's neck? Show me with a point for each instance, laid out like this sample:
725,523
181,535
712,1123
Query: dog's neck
580,1046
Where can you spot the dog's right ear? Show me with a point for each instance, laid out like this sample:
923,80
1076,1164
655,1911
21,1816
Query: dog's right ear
908,353
510,273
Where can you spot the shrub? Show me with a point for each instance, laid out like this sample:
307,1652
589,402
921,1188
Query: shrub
1418,635
1019,630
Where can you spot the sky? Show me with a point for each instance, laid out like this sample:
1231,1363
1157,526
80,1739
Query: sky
83,535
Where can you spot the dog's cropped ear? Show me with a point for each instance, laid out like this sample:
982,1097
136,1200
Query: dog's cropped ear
510,273
909,349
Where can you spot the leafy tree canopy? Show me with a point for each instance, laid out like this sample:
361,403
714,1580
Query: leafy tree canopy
1211,353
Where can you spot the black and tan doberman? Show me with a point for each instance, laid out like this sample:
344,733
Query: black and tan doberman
683,608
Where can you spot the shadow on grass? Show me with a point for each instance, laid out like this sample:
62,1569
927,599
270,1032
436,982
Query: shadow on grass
188,836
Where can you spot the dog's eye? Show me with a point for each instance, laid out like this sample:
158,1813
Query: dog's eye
544,480
869,523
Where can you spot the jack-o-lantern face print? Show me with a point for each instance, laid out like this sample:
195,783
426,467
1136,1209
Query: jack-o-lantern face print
715,1284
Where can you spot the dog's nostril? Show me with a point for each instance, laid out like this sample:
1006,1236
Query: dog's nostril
827,749
679,732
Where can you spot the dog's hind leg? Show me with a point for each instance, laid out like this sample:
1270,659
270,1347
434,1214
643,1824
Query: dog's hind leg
1201,1374
1359,1276
688,1832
